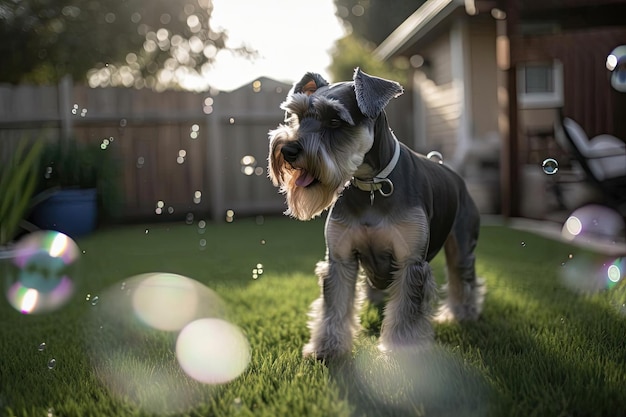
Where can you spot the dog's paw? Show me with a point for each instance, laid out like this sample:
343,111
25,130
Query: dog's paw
468,310
309,351
389,348
460,312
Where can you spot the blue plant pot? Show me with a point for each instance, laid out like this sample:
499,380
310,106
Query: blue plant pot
72,211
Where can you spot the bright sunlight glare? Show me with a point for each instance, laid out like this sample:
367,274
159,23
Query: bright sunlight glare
290,36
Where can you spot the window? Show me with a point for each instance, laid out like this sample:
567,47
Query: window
540,84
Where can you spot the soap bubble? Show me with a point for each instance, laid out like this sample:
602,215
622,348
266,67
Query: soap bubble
592,223
212,351
585,274
39,276
158,338
434,380
550,166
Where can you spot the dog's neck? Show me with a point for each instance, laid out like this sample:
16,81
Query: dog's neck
379,157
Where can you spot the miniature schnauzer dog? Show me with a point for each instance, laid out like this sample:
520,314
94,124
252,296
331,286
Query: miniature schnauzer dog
392,211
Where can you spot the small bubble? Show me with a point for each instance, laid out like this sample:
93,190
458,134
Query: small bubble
237,403
189,218
41,347
262,241
550,166
614,273
170,210
50,412
95,300
123,122
146,232
231,120
202,243
52,363
123,286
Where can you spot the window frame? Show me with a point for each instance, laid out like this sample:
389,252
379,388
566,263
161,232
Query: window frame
546,99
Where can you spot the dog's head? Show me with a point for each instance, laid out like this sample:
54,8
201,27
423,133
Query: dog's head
328,130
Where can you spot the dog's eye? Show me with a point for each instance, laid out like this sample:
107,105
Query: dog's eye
334,123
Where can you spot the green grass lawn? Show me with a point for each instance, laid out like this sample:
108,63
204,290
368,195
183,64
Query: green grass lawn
540,349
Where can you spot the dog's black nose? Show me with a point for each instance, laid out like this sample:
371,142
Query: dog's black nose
290,151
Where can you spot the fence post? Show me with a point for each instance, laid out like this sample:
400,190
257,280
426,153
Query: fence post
65,94
215,160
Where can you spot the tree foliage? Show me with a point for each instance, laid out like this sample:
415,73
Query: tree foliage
374,20
369,22
352,51
153,43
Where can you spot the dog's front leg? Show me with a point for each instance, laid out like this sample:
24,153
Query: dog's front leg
334,315
408,311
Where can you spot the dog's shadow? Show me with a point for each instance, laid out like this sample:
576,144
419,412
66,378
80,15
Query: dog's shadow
432,381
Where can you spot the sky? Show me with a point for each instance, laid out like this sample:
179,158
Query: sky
291,37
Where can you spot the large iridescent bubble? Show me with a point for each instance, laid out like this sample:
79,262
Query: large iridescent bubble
38,272
156,339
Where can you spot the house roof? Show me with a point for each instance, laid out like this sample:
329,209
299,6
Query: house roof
424,19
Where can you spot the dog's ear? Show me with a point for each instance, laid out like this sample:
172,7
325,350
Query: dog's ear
373,93
309,84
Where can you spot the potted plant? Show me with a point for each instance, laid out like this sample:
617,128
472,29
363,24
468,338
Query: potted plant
73,183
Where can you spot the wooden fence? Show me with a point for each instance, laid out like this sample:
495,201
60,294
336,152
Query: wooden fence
179,153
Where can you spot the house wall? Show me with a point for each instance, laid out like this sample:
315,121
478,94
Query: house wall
456,105
440,98
484,100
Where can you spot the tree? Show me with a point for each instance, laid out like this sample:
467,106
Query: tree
369,22
374,20
141,43
352,51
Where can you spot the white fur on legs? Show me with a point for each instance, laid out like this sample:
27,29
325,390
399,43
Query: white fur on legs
334,315
465,292
467,307
408,312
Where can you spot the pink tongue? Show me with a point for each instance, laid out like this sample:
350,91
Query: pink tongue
304,179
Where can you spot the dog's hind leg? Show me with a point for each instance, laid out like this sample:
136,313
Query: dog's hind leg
334,315
465,292
408,312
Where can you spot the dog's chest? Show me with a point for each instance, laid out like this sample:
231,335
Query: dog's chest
380,246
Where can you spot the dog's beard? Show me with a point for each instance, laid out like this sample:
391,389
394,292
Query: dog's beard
330,176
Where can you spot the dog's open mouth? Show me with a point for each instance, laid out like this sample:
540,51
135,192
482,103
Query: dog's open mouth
305,179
